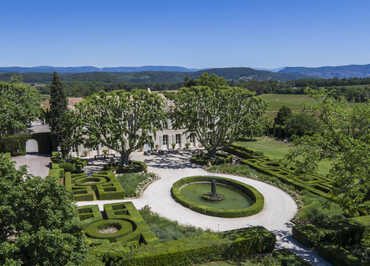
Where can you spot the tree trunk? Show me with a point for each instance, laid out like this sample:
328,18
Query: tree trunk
124,158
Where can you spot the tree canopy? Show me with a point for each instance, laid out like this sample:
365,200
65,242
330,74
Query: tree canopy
122,121
216,116
19,105
344,139
38,220
58,105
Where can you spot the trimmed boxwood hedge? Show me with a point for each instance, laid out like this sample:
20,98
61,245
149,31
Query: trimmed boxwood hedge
203,159
134,230
234,245
103,186
132,167
256,196
319,185
334,240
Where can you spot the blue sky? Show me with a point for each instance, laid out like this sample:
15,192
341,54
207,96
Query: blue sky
185,33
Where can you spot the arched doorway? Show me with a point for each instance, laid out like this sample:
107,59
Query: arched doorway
32,146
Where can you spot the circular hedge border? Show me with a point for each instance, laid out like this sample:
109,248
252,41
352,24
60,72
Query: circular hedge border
125,227
254,194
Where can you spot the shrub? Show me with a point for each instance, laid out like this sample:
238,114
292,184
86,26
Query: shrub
257,197
68,167
203,159
236,244
334,240
123,216
133,167
15,144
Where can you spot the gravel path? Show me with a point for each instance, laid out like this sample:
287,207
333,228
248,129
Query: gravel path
279,207
37,165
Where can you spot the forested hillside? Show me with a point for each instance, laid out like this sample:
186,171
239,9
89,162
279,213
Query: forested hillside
349,71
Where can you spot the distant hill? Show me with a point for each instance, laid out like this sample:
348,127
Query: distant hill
84,69
233,73
246,73
349,71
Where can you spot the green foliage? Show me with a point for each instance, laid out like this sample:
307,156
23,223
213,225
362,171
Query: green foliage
69,131
131,181
122,121
103,186
316,184
166,229
345,139
237,244
38,224
336,240
19,106
216,116
253,194
202,158
316,209
15,144
132,229
58,105
133,167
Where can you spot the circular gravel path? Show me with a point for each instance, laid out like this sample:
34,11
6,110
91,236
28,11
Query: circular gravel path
276,215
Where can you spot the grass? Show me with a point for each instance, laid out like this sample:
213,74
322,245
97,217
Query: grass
232,199
276,150
165,229
296,102
130,182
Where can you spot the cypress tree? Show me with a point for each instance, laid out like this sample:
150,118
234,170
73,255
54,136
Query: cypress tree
58,105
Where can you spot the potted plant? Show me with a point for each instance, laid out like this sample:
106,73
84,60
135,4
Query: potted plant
187,145
173,145
105,151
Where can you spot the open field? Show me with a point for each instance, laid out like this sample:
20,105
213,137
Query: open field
276,150
296,102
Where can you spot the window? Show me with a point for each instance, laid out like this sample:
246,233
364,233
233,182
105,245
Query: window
192,138
178,139
165,139
165,125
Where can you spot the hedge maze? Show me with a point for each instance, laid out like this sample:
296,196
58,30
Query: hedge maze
130,227
100,186
316,184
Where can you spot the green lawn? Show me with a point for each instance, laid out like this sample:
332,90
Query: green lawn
130,182
232,199
276,150
296,102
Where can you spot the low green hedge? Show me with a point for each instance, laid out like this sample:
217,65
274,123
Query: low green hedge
236,244
319,185
334,240
133,232
124,227
288,258
132,167
203,159
256,196
102,186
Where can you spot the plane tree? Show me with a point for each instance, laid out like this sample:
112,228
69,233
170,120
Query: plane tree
122,121
216,116
19,105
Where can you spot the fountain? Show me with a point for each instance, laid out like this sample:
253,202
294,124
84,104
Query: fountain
213,196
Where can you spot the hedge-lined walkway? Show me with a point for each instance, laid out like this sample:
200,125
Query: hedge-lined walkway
279,208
